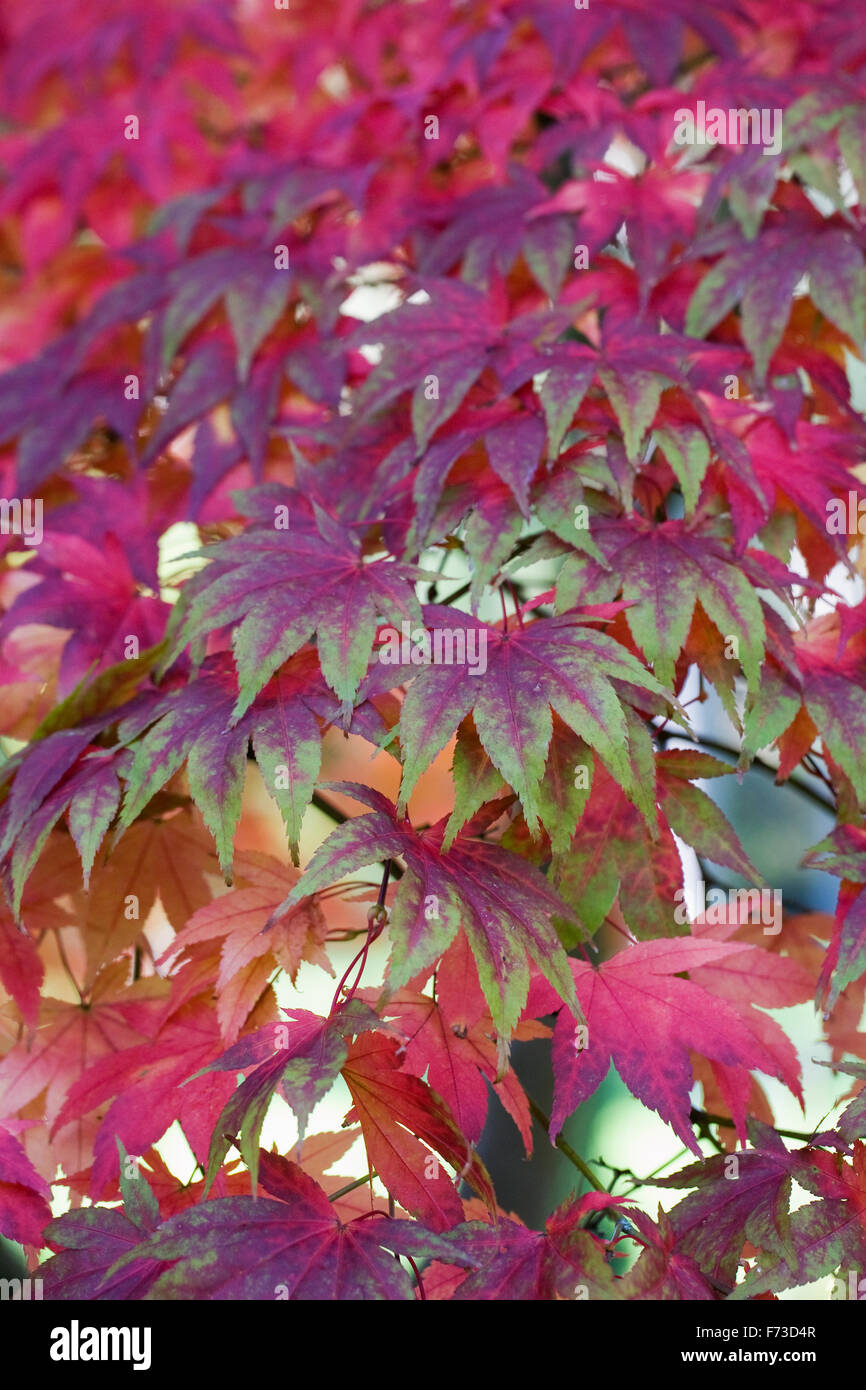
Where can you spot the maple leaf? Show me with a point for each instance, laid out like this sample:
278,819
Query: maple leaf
21,967
459,1060
280,587
248,957
96,703
687,450
513,443
287,1246
71,1037
470,285
767,979
842,853
170,1078
655,48
852,1122
92,591
24,1195
476,779
713,1223
801,244
169,858
787,472
207,379
284,725
828,679
491,225
64,773
89,795
34,776
402,1120
93,1239
658,211
255,297
612,851
562,1262
171,1192
634,369
439,349
320,1152
663,571
490,518
49,437
194,725
676,1016
830,659
502,903
552,664
302,1059
663,1270
825,1234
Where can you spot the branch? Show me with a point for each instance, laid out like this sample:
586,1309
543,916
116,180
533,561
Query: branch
719,747
698,1117
571,1154
338,817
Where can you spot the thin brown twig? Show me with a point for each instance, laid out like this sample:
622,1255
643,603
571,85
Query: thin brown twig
704,1117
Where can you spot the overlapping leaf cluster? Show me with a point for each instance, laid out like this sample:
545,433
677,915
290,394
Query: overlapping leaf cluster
591,349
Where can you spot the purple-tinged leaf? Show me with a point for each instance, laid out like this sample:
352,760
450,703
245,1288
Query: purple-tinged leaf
503,903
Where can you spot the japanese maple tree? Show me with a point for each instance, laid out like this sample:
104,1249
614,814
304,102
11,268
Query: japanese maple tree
402,373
